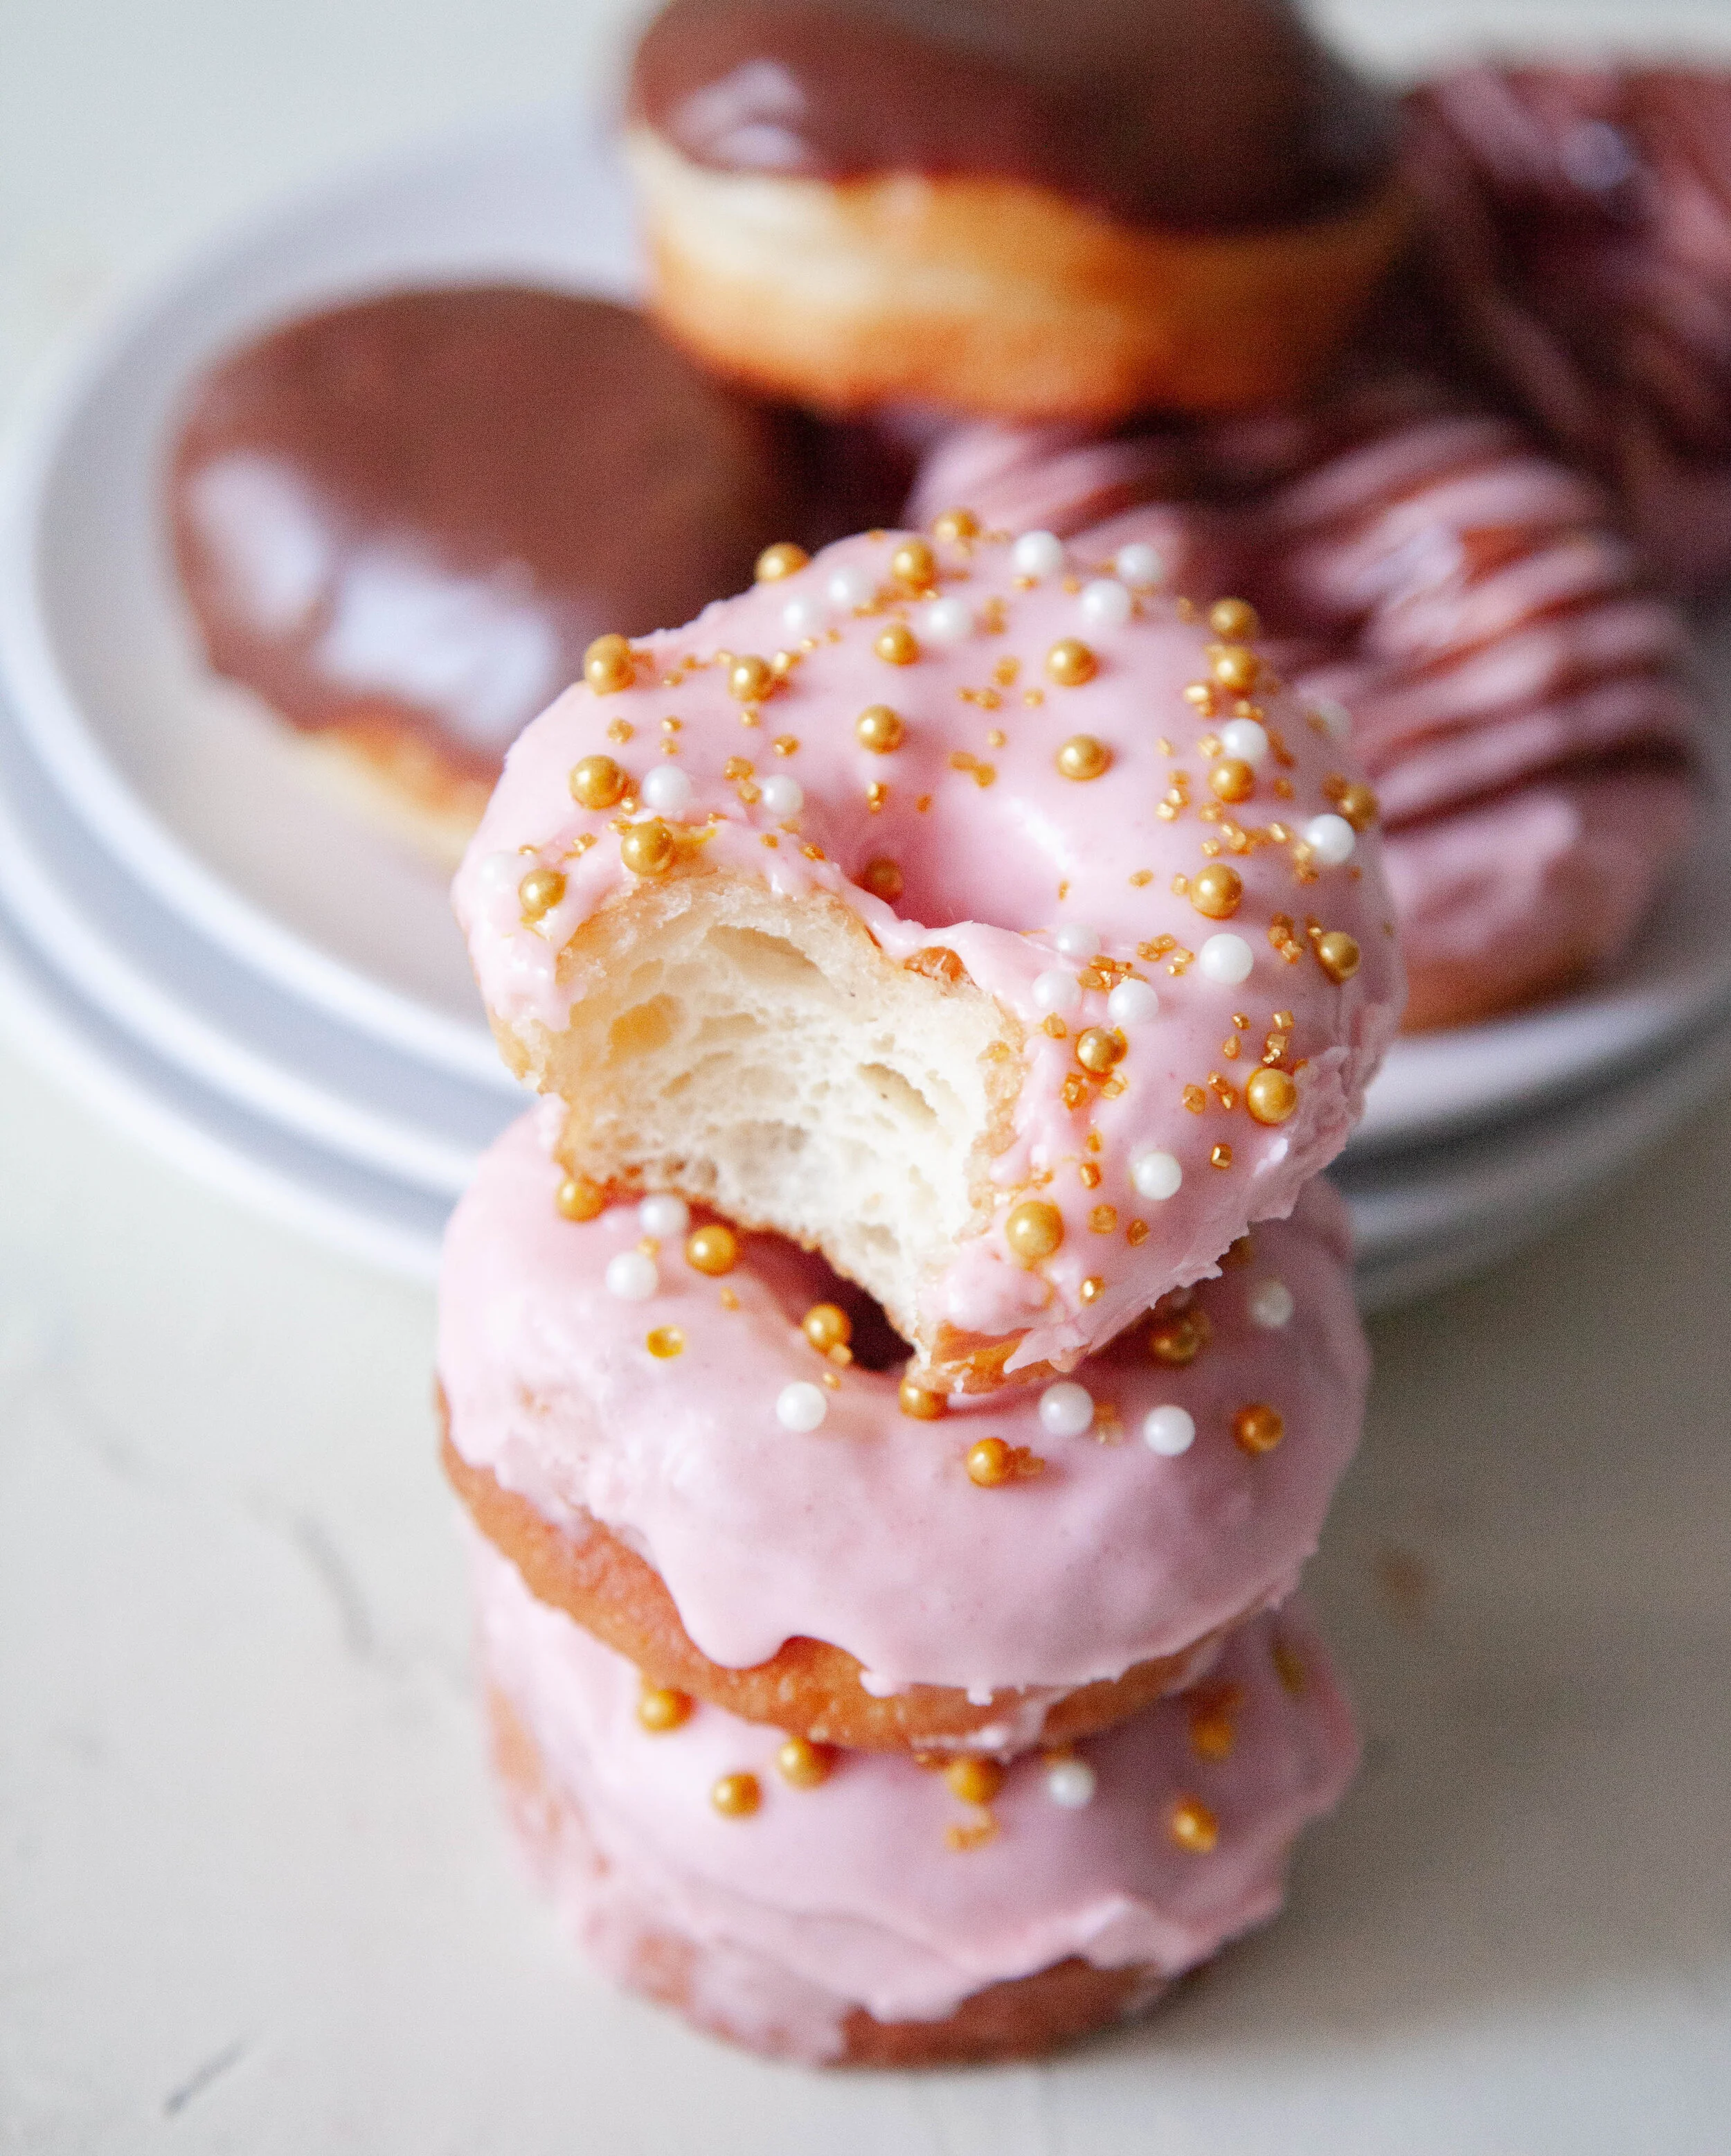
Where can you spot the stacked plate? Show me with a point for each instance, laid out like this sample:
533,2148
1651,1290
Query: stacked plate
258,987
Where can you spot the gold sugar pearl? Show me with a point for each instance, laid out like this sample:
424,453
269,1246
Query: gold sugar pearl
597,781
578,1198
913,563
803,1763
539,891
1234,620
751,678
660,1708
1082,757
896,644
1232,779
884,880
1338,955
608,665
1217,890
956,523
1358,804
827,1324
1099,1047
879,729
1178,1341
1070,663
783,559
665,1341
713,1249
1236,667
1258,1427
1270,1094
918,1401
1034,1231
1211,1735
990,1462
1192,1825
736,1796
647,849
975,1781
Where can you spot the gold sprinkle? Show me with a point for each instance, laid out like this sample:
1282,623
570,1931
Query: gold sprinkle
1104,1219
1054,1027
997,738
1088,1175
1221,1157
1005,671
785,744
783,559
665,1341
1258,1427
1136,1233
1192,1825
728,1298
660,1708
963,1838
956,525
578,1198
884,880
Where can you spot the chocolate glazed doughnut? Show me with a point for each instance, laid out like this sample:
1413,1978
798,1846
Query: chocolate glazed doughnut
1018,208
400,522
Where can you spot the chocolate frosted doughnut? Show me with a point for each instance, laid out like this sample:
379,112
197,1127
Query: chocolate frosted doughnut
402,522
1015,207
1578,221
856,1908
664,1451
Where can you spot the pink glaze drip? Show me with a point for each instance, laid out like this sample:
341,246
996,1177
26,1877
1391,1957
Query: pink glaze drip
984,864
867,1532
849,1893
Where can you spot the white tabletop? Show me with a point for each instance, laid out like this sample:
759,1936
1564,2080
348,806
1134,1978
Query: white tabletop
253,1895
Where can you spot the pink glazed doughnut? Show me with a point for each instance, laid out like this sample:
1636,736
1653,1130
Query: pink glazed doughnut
779,1493
857,1909
956,907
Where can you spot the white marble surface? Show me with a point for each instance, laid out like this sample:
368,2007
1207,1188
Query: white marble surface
252,1894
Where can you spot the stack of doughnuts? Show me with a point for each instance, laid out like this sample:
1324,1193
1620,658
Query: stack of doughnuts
895,1378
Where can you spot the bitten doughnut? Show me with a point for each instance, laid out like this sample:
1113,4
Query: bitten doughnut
959,907
1578,221
857,1908
396,522
667,1426
1018,207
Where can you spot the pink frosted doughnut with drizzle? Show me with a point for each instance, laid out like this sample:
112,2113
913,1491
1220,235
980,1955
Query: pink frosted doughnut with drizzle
960,906
859,1908
981,1571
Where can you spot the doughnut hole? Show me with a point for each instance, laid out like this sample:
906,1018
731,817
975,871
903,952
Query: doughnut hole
764,1057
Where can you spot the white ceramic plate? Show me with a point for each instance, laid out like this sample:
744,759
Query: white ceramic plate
168,767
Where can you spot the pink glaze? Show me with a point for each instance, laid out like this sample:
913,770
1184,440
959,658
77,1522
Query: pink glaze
1517,688
867,1532
994,869
849,1893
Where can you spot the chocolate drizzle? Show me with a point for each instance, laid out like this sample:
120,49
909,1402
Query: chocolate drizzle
413,513
1200,115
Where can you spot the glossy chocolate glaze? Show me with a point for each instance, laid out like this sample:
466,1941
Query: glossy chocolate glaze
416,512
1202,114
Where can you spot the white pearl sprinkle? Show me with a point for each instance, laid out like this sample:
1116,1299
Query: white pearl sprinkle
1038,554
947,621
632,1277
1270,1305
1246,739
503,871
1331,840
1154,1175
1105,604
805,614
1070,1783
1140,564
1333,715
1133,1003
667,789
801,1406
664,1216
1056,990
852,585
1226,958
1168,1431
782,796
1066,1409
1077,940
